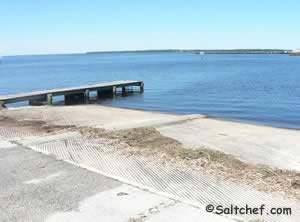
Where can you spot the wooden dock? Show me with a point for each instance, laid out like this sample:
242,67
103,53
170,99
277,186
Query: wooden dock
71,93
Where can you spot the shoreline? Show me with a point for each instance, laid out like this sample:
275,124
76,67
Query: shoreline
204,115
242,121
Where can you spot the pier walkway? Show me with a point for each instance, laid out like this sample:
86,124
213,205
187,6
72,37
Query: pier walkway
71,93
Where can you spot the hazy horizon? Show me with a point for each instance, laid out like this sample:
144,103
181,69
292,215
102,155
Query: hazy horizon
138,50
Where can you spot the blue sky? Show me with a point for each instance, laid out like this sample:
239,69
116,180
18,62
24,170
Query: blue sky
71,26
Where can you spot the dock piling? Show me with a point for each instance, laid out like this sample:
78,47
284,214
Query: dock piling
123,90
49,99
87,95
2,105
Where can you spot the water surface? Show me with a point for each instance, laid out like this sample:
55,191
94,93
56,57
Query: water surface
258,88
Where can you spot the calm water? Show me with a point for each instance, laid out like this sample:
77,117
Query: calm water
256,88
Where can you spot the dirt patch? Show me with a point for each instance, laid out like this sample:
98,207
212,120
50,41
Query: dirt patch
149,143
33,126
296,184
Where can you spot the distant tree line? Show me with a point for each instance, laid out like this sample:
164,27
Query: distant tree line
206,51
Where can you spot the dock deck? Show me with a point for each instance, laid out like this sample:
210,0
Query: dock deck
70,93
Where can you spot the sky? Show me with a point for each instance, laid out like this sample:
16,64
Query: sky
75,26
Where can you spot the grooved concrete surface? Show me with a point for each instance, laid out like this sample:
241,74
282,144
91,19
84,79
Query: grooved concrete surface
35,187
186,186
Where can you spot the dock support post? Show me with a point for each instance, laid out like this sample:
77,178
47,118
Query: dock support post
49,99
142,87
86,96
2,105
98,94
123,90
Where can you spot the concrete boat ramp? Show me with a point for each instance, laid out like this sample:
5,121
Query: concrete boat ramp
37,187
250,143
127,187
110,184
